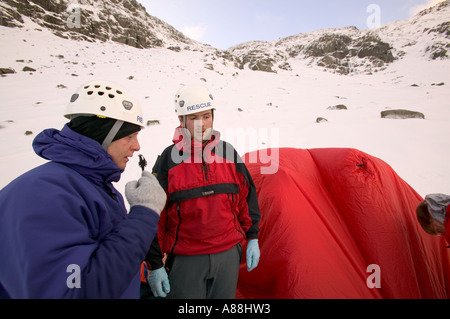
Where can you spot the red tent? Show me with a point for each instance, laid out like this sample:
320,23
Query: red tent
339,223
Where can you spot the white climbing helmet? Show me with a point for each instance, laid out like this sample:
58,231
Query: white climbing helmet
105,99
191,99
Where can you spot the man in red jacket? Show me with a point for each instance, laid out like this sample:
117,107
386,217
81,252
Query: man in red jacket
433,213
212,207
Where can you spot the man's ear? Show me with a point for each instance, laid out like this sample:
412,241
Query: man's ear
180,118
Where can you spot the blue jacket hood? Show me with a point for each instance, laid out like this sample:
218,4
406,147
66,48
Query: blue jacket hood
81,153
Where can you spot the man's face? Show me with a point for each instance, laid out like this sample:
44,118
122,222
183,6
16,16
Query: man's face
198,123
124,148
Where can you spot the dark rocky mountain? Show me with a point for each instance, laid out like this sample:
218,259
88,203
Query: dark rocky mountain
343,51
349,50
123,21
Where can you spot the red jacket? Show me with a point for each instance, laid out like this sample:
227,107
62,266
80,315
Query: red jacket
212,203
447,232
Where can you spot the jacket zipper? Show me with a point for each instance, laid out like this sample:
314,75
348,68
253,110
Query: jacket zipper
235,217
178,228
205,166
205,169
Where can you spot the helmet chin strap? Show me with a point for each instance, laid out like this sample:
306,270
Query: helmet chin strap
112,133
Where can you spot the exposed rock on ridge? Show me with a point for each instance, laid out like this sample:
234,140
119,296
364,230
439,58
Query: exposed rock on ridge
342,51
123,21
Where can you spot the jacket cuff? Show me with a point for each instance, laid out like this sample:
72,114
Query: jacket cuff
251,235
143,209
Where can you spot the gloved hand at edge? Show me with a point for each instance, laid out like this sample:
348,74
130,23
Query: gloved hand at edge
253,254
159,282
146,192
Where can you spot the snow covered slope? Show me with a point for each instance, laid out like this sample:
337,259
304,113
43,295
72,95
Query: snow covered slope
256,110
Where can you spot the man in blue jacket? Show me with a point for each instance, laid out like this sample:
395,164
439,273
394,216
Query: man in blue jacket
64,228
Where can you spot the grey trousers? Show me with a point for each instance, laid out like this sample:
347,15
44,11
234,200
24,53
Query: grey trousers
211,276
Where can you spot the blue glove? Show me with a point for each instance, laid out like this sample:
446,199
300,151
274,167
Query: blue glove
252,254
159,282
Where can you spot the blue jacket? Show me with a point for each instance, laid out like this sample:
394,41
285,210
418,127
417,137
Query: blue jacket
64,228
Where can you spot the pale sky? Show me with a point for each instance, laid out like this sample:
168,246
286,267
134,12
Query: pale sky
225,23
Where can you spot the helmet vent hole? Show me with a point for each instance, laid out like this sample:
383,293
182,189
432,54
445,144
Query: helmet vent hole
119,92
74,97
101,93
90,92
97,86
108,88
102,108
111,96
87,86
